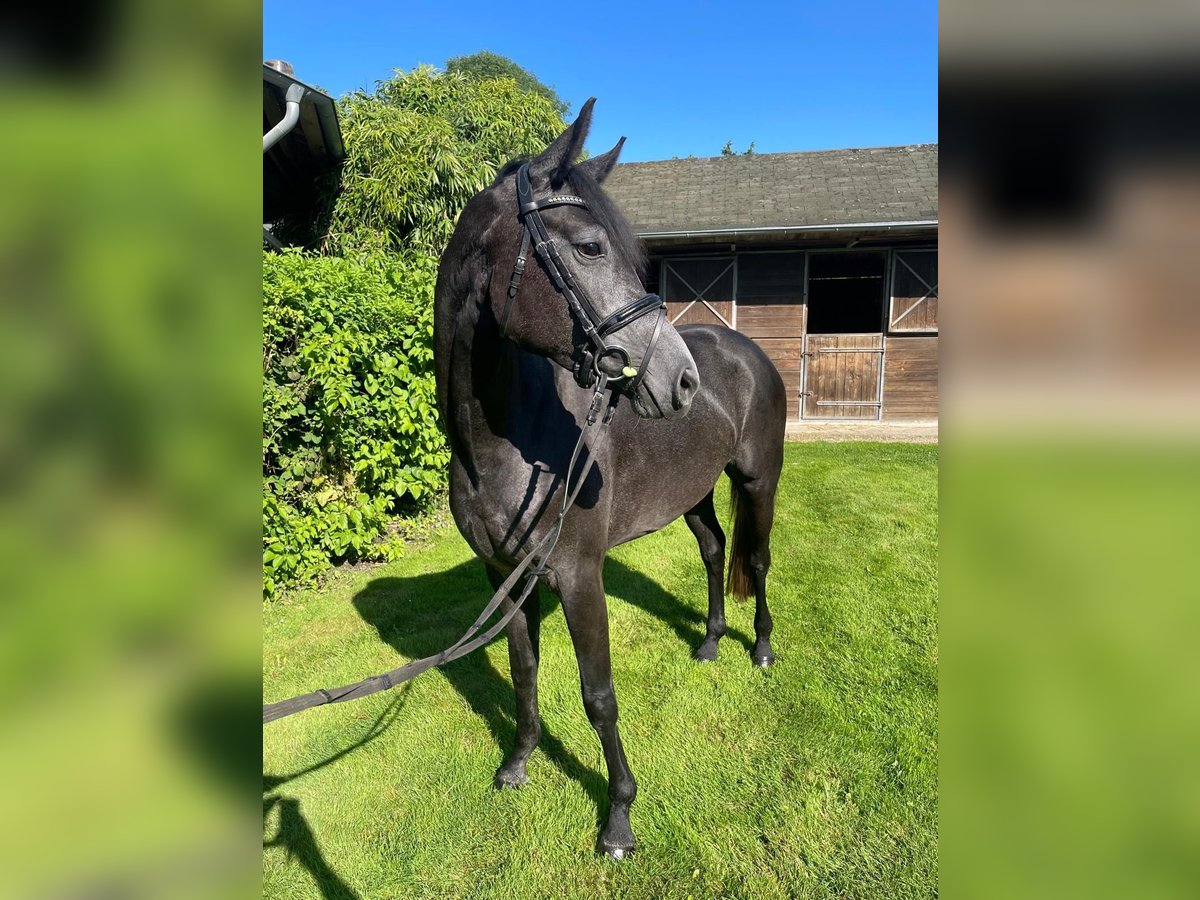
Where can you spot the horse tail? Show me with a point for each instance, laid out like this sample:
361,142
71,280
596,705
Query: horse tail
741,580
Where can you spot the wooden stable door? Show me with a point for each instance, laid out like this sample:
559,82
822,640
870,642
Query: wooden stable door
842,376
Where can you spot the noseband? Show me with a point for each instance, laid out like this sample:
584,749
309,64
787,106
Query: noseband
601,358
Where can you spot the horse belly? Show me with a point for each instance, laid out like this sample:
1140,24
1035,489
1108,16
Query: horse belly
670,485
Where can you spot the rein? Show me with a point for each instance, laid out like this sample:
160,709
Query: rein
532,567
603,363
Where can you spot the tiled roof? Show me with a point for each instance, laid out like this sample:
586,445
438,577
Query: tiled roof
777,190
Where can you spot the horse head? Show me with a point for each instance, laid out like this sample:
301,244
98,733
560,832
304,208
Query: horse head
581,302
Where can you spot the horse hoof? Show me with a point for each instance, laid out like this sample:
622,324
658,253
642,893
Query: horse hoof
505,780
616,852
616,841
705,654
764,661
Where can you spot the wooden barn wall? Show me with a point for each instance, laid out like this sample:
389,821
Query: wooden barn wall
914,292
681,313
910,377
771,310
714,280
914,314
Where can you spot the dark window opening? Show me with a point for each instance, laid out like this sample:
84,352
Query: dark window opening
765,278
846,293
685,280
651,281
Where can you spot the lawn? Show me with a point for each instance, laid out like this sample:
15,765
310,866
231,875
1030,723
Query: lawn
815,778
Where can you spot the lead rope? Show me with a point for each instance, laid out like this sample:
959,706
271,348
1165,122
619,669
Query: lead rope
471,639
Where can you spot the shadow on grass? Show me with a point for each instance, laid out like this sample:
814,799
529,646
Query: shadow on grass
687,622
422,615
295,836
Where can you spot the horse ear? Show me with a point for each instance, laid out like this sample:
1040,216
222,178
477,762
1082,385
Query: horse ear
556,161
599,167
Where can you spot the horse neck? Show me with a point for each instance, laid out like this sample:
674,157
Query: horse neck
493,396
482,379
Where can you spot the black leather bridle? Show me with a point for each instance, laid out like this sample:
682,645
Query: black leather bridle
600,358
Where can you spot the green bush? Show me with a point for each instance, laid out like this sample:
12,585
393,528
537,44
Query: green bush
351,440
418,148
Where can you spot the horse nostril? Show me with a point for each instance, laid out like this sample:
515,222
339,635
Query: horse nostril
689,383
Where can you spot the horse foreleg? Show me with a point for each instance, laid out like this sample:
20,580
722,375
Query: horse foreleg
582,593
524,631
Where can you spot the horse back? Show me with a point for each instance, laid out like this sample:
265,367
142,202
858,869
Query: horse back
736,424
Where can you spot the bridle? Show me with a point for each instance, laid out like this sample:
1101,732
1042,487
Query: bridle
600,358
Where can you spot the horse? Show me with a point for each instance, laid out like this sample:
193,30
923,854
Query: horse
517,355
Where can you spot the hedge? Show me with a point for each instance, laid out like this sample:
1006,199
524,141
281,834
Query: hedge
351,442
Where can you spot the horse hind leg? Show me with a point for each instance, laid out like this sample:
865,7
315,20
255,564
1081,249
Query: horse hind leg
702,520
753,504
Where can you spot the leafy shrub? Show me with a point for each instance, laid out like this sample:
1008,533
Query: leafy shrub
350,436
417,149
350,432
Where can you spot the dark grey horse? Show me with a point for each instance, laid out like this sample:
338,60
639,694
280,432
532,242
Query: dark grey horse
709,401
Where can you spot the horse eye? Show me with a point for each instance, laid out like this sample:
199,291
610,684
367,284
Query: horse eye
591,249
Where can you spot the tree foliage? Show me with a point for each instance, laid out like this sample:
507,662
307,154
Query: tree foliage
728,150
485,65
419,147
350,434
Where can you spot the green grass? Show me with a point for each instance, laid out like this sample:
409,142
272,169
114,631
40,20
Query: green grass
816,778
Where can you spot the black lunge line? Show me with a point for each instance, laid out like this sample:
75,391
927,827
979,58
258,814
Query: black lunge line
472,639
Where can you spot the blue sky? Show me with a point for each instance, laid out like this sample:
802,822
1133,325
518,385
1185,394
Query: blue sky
676,78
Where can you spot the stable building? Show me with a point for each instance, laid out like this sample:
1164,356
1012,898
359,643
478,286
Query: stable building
302,144
828,260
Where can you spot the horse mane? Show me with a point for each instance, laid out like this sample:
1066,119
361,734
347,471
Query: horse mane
509,168
624,239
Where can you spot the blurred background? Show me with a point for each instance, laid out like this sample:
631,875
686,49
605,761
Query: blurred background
129,483
130,488
1070,192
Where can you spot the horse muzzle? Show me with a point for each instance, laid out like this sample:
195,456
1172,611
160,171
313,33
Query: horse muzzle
668,388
